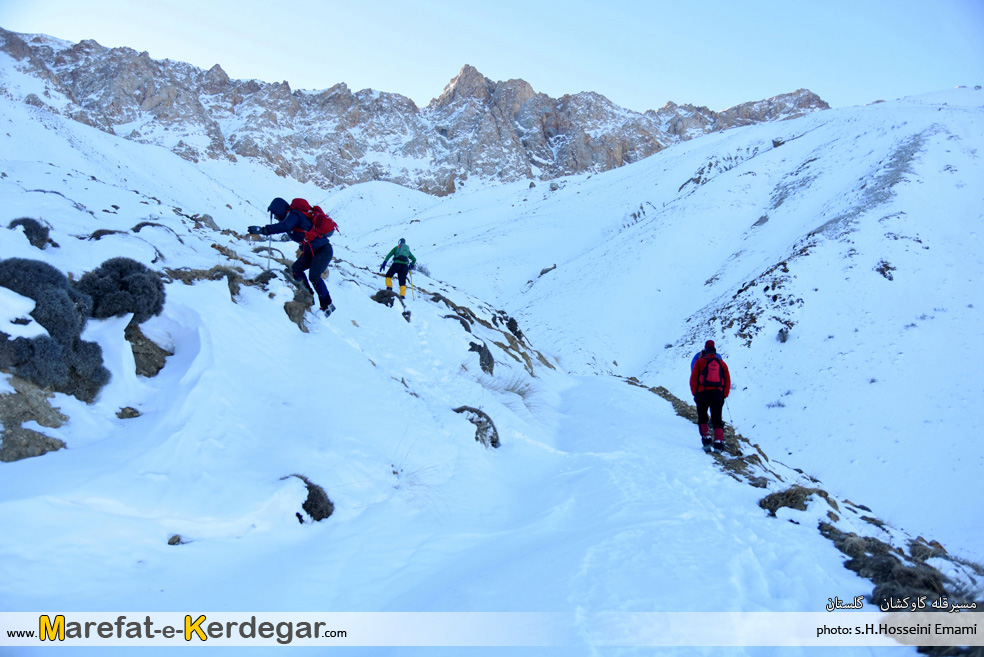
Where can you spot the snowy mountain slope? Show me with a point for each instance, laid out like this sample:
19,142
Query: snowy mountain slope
857,237
597,500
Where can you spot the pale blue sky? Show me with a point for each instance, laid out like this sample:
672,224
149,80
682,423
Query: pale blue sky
716,53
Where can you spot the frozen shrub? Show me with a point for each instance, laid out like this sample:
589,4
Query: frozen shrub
37,233
86,360
87,375
24,276
485,360
59,308
59,360
122,285
485,431
48,366
13,352
59,314
75,369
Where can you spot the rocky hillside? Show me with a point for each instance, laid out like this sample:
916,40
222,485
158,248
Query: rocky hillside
476,130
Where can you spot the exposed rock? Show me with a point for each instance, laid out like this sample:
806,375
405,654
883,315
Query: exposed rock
513,327
794,497
127,413
148,355
207,221
20,443
33,100
386,297
464,322
317,505
233,275
27,403
296,309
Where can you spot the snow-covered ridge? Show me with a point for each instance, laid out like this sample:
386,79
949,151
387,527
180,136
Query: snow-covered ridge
476,132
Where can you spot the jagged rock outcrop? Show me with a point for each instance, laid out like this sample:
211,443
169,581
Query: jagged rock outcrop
28,403
476,128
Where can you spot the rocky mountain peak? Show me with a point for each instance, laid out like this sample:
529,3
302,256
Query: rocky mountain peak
511,96
216,80
476,130
468,84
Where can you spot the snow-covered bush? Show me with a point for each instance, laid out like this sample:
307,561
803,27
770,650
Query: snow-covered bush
46,364
62,311
85,359
60,360
75,369
13,352
485,431
37,233
122,285
59,308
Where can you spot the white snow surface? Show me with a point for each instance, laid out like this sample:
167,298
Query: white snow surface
599,498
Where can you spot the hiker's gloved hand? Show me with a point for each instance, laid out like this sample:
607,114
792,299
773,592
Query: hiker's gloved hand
412,266
255,230
382,267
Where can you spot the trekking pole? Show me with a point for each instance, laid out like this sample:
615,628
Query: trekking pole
269,240
413,295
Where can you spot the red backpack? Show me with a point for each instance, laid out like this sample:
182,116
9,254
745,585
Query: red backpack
712,375
321,224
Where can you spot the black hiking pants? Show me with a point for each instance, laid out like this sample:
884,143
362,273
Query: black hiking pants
712,400
315,263
400,269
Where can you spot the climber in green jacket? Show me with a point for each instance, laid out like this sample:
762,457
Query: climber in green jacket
403,262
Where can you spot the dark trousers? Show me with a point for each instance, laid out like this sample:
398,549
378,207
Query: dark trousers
712,400
400,269
315,263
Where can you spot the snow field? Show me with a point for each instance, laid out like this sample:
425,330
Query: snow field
599,498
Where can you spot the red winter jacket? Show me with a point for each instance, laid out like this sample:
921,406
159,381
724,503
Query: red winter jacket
699,367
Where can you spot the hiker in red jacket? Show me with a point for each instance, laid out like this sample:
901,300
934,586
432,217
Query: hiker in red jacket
710,383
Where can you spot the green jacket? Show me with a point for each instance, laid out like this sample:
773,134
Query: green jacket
400,254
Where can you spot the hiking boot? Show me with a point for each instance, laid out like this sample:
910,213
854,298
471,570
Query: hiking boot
706,444
718,445
328,310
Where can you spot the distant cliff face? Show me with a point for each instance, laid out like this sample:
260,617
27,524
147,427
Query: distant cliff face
476,129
